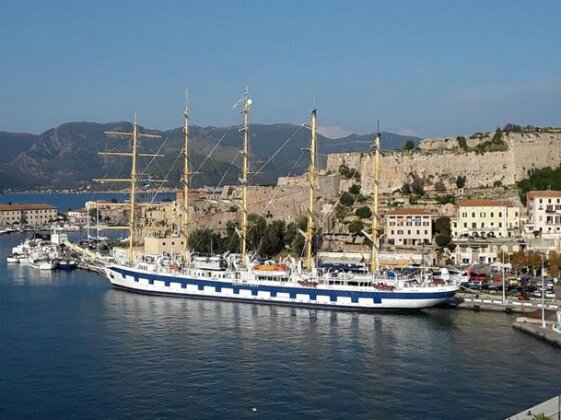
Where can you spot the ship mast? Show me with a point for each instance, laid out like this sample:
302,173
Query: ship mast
376,173
133,176
185,180
245,177
312,173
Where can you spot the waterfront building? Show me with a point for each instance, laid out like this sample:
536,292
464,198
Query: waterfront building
484,251
486,219
160,245
32,214
77,216
408,226
544,214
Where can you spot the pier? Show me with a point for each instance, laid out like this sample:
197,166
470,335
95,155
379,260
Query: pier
550,409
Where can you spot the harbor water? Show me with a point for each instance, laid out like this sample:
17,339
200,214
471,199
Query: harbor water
72,347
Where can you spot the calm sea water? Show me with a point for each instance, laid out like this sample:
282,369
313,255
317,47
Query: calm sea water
72,347
73,201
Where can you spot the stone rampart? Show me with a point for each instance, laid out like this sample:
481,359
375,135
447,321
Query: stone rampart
525,151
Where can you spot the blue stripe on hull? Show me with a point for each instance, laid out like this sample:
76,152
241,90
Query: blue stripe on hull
319,306
312,293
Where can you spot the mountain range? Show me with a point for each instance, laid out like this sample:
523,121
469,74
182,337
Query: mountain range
67,156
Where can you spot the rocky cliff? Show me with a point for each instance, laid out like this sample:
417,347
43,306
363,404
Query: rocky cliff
443,160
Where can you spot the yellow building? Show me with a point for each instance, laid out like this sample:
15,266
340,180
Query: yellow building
32,214
486,219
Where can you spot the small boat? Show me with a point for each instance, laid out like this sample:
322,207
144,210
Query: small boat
43,264
12,258
67,265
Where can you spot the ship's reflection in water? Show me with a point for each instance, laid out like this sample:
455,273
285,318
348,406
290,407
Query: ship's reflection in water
222,359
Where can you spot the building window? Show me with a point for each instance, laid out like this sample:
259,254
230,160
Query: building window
473,214
465,225
492,214
500,214
482,214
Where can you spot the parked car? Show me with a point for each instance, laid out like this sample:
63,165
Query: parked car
481,277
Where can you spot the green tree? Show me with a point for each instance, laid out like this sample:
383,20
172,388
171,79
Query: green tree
363,212
417,187
461,181
439,186
255,231
355,228
406,188
540,179
272,241
354,189
409,145
445,199
344,170
341,212
442,240
204,241
232,241
462,142
442,225
347,199
297,239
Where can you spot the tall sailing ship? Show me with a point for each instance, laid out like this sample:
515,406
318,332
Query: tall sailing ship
236,278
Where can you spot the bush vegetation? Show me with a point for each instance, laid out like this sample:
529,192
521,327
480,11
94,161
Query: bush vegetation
540,179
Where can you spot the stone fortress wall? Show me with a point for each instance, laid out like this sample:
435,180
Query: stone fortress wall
442,160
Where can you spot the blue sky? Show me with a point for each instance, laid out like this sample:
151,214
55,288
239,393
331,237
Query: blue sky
430,68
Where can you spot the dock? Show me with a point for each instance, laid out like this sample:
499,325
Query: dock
550,409
488,302
534,328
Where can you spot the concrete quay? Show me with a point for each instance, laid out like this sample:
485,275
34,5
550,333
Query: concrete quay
534,328
550,408
485,302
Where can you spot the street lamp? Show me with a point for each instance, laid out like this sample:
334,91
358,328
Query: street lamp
543,297
503,270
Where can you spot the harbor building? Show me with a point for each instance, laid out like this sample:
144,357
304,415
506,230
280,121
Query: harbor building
408,226
484,251
32,214
77,216
544,214
486,219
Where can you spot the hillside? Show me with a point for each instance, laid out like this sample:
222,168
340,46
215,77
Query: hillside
67,156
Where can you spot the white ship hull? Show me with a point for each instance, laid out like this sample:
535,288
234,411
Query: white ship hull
285,293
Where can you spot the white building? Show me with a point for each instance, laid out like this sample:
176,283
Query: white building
408,226
544,214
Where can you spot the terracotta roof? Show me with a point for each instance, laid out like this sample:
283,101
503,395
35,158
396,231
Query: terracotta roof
542,194
17,207
408,211
484,203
